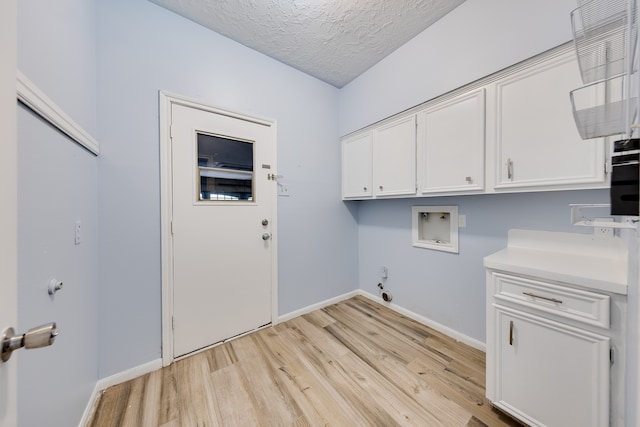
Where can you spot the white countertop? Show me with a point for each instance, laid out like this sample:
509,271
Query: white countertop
577,259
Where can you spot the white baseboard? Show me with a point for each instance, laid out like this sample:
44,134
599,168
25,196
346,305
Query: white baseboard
154,365
91,406
317,306
119,378
458,336
129,374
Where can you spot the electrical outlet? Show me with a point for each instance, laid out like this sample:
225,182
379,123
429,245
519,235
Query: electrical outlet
600,231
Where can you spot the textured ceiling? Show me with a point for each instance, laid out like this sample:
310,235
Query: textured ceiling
333,40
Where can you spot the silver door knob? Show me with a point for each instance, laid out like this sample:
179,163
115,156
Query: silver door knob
40,336
266,236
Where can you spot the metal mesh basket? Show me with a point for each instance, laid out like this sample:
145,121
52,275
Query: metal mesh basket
600,31
599,119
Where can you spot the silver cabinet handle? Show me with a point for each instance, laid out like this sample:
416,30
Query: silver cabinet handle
364,188
510,169
266,236
529,294
511,332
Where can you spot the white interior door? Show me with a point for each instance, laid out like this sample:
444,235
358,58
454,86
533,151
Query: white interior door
8,207
222,219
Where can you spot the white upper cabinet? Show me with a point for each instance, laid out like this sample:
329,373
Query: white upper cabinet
357,163
509,132
394,158
451,144
531,127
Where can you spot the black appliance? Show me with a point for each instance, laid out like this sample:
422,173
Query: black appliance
624,177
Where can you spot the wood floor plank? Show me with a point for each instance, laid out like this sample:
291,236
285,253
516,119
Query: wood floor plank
355,363
276,346
133,414
168,409
319,318
300,390
446,411
274,404
196,403
466,395
319,362
237,406
374,385
220,357
400,346
111,406
143,401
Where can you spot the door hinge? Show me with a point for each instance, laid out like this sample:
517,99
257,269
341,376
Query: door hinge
172,227
170,131
611,358
173,323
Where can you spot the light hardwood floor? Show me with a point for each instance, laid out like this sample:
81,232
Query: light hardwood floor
355,363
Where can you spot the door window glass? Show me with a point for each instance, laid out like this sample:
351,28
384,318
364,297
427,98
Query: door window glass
225,169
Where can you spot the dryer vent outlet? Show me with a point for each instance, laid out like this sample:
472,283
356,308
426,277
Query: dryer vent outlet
386,296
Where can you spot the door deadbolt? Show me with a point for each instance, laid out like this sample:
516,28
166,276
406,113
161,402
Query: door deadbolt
265,222
40,336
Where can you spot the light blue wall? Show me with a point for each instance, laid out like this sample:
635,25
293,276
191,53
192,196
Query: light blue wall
477,38
57,185
445,287
57,182
143,48
57,51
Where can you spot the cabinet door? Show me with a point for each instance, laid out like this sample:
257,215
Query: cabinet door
356,167
537,142
451,145
394,158
550,374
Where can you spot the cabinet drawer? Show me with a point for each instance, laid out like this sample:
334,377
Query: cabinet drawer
584,306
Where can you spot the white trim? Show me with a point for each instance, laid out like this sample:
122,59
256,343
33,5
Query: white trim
166,100
458,336
156,364
129,374
91,407
31,96
115,379
165,227
318,306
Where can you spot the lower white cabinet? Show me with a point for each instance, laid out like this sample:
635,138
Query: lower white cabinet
550,374
547,365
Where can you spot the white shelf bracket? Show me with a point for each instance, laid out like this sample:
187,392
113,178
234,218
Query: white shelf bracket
580,219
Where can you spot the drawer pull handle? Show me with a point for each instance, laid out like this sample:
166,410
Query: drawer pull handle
511,332
529,294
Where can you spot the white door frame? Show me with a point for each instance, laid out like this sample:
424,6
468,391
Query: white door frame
9,208
166,203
